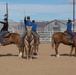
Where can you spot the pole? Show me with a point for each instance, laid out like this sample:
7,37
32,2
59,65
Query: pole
7,11
73,14
6,15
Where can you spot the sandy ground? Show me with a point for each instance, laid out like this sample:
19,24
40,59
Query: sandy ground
43,64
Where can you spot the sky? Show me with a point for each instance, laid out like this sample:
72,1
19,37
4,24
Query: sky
39,10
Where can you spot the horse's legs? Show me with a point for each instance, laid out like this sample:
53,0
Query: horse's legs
56,50
31,52
75,50
34,49
72,47
27,52
37,49
20,50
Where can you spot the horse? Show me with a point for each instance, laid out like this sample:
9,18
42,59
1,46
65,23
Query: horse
61,37
29,43
36,47
12,38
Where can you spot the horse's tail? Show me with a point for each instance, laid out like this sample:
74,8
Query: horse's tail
52,41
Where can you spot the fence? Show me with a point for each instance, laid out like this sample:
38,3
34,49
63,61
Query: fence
45,37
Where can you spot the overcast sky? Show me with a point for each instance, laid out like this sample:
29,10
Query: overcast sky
37,9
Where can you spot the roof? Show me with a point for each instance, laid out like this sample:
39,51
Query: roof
41,25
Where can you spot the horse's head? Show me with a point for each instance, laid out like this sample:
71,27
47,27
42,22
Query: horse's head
29,28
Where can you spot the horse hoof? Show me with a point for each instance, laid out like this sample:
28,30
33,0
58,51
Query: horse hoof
57,55
20,55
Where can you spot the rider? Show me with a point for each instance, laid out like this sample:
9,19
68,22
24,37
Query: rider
27,23
34,29
69,29
4,29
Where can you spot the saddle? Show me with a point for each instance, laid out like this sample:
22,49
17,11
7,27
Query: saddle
66,34
5,37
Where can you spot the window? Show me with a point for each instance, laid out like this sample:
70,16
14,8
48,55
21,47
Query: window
56,23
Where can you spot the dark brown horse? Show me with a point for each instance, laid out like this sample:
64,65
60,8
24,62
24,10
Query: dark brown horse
29,43
60,37
36,47
13,38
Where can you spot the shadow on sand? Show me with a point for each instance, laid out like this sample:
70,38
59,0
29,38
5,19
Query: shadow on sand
9,54
63,55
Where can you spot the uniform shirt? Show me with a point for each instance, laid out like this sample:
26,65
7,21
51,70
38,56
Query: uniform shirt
69,26
27,23
34,27
5,26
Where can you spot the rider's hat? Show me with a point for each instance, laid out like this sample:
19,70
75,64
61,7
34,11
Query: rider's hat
5,19
28,17
33,21
69,20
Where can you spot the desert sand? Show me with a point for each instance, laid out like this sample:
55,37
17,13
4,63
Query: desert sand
43,64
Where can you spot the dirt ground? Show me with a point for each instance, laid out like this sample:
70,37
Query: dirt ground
43,64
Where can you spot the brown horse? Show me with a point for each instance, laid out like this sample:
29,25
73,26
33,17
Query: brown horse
60,37
36,47
29,43
12,38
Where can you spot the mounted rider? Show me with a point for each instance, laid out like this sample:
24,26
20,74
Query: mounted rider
34,29
69,29
28,23
4,29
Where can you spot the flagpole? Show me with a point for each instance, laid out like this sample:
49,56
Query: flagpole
6,15
73,14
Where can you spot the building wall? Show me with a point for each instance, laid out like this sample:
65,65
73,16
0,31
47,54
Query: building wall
53,27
